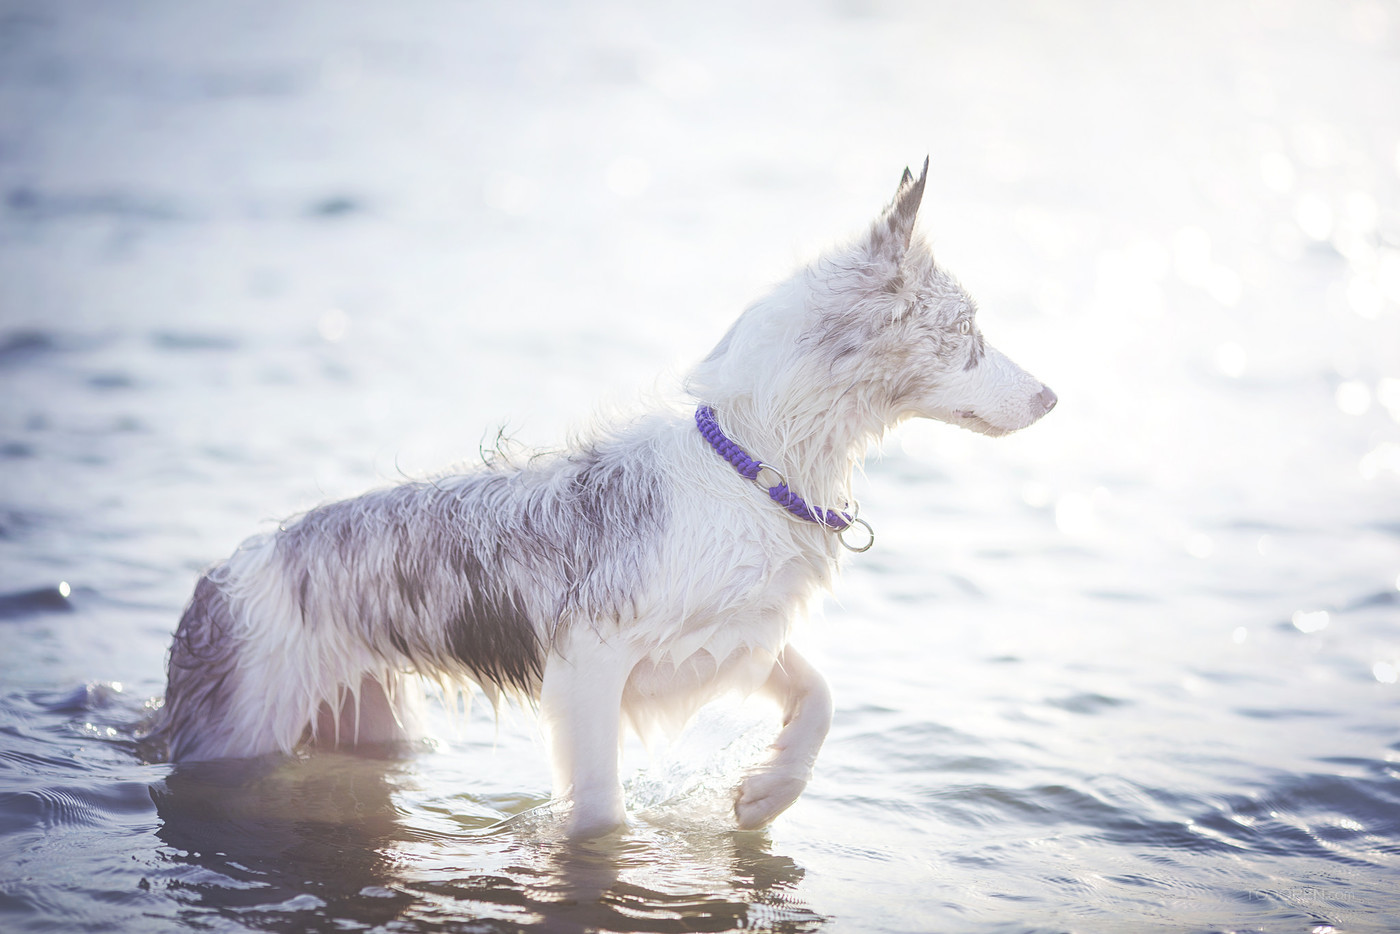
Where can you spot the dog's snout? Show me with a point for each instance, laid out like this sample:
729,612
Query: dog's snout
1047,398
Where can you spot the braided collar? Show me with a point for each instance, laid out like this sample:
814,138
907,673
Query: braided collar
750,469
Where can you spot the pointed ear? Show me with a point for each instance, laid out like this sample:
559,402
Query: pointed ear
893,231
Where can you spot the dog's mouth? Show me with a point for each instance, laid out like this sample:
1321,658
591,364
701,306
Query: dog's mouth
969,419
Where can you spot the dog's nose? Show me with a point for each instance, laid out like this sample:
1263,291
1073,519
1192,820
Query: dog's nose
1047,398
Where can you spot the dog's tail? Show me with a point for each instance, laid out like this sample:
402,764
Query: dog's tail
191,723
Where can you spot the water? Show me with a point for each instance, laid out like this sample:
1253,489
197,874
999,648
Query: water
1136,668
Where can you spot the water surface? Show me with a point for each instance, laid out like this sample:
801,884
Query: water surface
1133,669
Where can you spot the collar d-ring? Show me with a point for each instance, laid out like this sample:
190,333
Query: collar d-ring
869,542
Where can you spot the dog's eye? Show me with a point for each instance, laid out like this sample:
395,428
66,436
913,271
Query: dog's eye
964,326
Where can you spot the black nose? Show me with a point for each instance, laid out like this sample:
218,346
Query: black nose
1047,398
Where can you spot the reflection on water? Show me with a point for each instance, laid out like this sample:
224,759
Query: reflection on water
280,838
319,843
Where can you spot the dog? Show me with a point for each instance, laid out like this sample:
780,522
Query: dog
623,582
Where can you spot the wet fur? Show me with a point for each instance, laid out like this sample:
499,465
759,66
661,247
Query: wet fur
630,579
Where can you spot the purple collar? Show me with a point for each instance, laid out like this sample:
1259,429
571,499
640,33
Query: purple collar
750,469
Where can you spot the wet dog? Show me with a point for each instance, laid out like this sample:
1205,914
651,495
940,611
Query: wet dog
624,582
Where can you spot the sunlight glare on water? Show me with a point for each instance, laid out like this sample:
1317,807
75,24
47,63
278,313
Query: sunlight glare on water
1135,668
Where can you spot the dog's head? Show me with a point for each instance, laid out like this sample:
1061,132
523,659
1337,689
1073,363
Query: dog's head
890,302
879,332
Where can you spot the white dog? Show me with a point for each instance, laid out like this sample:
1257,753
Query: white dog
627,581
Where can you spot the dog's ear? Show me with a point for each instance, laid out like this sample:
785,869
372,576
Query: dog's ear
892,233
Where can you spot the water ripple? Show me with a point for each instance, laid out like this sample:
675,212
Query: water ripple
24,603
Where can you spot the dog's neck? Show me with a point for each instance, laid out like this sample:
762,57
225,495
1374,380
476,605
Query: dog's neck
817,445
780,395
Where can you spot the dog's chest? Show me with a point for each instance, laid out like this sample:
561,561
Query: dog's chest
728,645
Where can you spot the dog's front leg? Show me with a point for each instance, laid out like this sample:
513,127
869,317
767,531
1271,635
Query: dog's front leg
581,707
771,788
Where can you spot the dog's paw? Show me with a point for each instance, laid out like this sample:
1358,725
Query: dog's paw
764,795
589,824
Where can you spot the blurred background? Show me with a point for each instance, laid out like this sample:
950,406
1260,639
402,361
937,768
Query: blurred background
1137,664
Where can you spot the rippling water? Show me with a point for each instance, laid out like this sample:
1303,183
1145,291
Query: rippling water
1135,668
